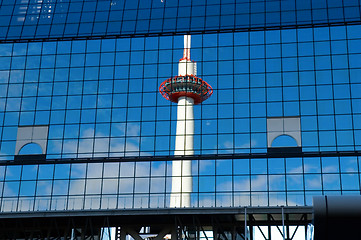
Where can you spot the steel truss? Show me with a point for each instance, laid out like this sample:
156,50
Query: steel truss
156,224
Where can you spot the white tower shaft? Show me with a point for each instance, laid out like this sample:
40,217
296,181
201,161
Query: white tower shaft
182,170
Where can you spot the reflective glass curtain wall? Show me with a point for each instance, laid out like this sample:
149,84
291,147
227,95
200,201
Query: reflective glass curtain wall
98,97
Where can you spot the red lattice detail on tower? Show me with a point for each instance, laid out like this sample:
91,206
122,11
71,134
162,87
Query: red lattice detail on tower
189,86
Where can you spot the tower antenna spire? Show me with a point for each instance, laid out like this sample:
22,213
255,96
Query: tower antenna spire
187,48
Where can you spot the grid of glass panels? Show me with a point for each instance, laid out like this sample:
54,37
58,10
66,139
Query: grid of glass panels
216,183
29,19
100,97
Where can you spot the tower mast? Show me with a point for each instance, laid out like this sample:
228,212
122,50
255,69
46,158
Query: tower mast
187,90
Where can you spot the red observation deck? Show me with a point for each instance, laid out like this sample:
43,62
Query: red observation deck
188,86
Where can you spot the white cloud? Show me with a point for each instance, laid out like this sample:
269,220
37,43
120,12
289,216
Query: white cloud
102,145
133,129
230,147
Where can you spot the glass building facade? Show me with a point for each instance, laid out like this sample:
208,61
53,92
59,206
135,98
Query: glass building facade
83,126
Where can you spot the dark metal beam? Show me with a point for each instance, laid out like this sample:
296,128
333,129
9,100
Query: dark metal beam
150,212
175,158
176,33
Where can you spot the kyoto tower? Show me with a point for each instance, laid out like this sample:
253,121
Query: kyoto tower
187,90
